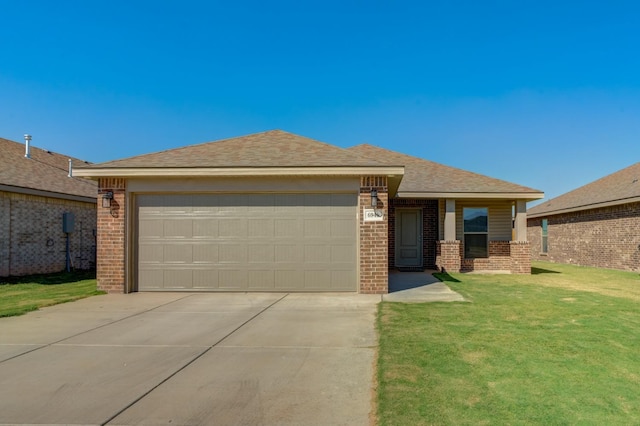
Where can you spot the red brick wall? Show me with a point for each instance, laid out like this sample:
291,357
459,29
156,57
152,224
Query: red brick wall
429,228
448,256
607,237
508,256
520,257
111,237
374,238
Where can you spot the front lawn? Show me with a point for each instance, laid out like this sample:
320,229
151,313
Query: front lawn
561,346
19,295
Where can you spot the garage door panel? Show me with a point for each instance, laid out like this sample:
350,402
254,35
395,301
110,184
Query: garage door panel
205,228
206,279
150,253
260,253
338,278
232,253
178,228
261,279
260,228
205,253
178,253
342,228
178,278
288,253
317,227
232,279
316,254
247,242
287,228
342,254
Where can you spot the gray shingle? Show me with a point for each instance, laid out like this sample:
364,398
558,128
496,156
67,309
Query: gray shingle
274,148
426,176
614,188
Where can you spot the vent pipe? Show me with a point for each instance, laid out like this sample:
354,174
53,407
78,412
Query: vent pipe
27,148
70,168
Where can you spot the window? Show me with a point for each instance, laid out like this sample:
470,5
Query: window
544,235
476,232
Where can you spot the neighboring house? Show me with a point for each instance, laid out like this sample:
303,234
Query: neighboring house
275,211
595,225
35,193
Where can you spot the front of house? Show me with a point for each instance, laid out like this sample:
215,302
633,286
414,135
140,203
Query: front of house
274,211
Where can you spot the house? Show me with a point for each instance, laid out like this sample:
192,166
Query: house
275,211
38,202
595,225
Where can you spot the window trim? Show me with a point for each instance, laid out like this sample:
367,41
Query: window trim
465,233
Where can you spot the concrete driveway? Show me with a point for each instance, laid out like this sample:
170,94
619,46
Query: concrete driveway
187,359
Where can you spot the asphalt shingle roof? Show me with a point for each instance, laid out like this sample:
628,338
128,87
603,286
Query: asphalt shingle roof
614,188
44,171
274,148
427,176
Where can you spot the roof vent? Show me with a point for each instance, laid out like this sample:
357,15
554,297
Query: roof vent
27,148
70,168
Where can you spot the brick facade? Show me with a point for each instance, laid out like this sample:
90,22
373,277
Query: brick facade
448,256
32,240
607,237
429,228
112,237
374,238
504,256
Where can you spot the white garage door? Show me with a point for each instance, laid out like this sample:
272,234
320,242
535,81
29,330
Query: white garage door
247,242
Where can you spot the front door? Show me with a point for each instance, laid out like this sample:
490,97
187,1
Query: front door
408,238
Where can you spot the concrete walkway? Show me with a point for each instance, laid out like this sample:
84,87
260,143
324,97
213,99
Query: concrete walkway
171,358
418,287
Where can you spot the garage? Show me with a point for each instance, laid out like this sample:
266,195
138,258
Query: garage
247,242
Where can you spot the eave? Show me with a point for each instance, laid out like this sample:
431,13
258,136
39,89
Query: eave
528,196
585,207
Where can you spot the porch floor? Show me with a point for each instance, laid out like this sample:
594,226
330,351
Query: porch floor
418,287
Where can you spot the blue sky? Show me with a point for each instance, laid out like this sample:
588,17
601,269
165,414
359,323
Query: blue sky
544,94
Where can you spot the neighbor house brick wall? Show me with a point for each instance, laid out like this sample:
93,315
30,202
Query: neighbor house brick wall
32,240
429,228
111,237
607,237
374,238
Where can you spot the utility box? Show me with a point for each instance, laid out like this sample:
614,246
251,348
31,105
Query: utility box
68,222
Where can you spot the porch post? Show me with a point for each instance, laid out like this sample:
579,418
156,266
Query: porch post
521,221
450,220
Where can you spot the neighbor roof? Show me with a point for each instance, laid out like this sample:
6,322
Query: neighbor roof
46,173
426,179
617,188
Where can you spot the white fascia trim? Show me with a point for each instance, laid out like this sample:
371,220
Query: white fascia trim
494,195
240,171
585,207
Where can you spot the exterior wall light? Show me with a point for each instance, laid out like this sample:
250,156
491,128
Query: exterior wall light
374,198
106,199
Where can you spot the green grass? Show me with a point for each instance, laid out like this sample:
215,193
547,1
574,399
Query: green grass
19,295
560,346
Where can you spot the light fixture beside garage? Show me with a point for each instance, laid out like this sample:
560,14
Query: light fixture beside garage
106,199
374,198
